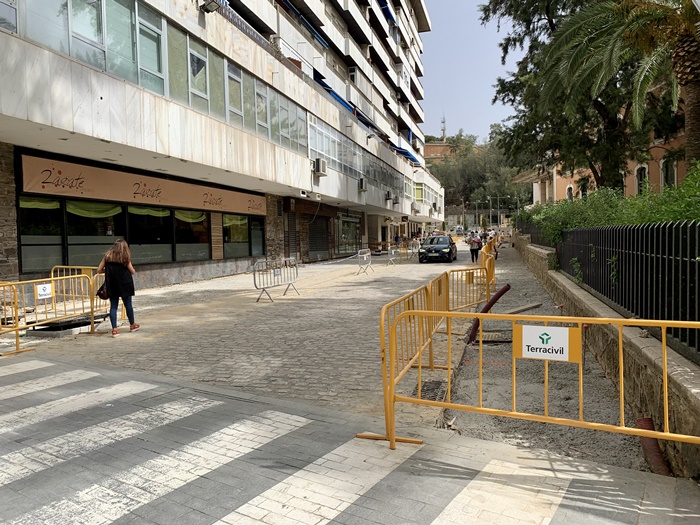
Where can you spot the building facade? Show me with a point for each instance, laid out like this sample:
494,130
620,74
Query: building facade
209,134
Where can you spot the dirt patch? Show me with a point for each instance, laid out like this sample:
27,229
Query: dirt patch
601,403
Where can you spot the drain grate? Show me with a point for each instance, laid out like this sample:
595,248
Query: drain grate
432,390
501,337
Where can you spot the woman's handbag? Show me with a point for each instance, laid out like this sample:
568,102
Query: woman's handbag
102,291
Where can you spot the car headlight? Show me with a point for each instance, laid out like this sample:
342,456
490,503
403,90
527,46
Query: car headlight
421,250
445,250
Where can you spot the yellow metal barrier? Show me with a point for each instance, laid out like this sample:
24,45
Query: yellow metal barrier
458,289
544,339
39,302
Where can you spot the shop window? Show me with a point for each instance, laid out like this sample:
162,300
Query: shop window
177,65
236,236
257,236
192,236
47,23
235,96
151,72
92,227
8,17
198,76
121,39
150,234
41,235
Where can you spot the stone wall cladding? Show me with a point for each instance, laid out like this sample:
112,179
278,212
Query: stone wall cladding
642,362
274,228
9,262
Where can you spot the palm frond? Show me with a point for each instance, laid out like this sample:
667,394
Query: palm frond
649,70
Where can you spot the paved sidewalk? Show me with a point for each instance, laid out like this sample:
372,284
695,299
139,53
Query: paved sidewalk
224,410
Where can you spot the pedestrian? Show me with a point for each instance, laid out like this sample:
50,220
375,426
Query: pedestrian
474,242
119,281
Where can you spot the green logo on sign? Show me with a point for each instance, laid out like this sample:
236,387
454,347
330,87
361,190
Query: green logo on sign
545,338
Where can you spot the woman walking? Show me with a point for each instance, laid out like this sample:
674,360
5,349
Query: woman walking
474,242
119,279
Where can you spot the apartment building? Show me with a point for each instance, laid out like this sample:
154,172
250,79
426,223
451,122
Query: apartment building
209,134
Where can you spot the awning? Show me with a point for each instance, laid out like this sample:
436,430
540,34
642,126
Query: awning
406,154
387,11
306,23
324,85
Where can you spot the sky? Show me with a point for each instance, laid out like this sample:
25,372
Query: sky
462,62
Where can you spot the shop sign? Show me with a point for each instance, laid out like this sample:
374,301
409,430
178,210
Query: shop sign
52,177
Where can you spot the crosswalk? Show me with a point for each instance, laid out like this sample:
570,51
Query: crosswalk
85,447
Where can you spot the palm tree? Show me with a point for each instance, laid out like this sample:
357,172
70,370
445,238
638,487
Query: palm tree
658,38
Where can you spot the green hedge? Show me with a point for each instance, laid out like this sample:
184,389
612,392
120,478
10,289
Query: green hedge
608,207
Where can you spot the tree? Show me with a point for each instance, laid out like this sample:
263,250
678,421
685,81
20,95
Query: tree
589,133
658,37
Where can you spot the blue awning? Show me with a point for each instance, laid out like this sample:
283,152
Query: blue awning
324,85
306,23
387,11
406,154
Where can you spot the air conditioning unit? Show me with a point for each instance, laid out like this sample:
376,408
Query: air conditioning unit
415,143
363,184
321,167
414,206
389,196
396,200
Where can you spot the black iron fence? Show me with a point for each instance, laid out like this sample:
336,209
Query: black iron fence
535,233
650,271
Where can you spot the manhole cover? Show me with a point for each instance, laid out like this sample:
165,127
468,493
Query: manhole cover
432,390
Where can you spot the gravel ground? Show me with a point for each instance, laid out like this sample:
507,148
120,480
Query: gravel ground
601,399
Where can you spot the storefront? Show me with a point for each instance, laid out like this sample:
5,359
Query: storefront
70,213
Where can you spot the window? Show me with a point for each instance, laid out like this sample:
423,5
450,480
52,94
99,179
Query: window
668,173
235,96
121,39
249,116
641,175
284,121
87,44
177,65
261,109
150,234
47,23
191,235
570,193
151,50
236,236
274,117
8,17
217,88
41,234
198,76
92,227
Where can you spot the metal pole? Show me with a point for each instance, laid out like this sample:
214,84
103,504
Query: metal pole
498,218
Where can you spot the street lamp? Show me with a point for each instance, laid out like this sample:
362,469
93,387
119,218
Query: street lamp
498,208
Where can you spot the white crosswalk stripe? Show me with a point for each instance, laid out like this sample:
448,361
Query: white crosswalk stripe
126,491
26,366
31,460
506,493
45,383
325,488
29,416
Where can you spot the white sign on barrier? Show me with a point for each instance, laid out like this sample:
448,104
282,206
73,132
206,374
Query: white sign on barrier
546,342
44,291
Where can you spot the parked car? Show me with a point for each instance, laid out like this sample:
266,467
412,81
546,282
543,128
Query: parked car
438,248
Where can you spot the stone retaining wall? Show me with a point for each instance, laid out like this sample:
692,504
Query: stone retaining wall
642,361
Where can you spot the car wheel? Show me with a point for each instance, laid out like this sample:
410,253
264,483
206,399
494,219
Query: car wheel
421,261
